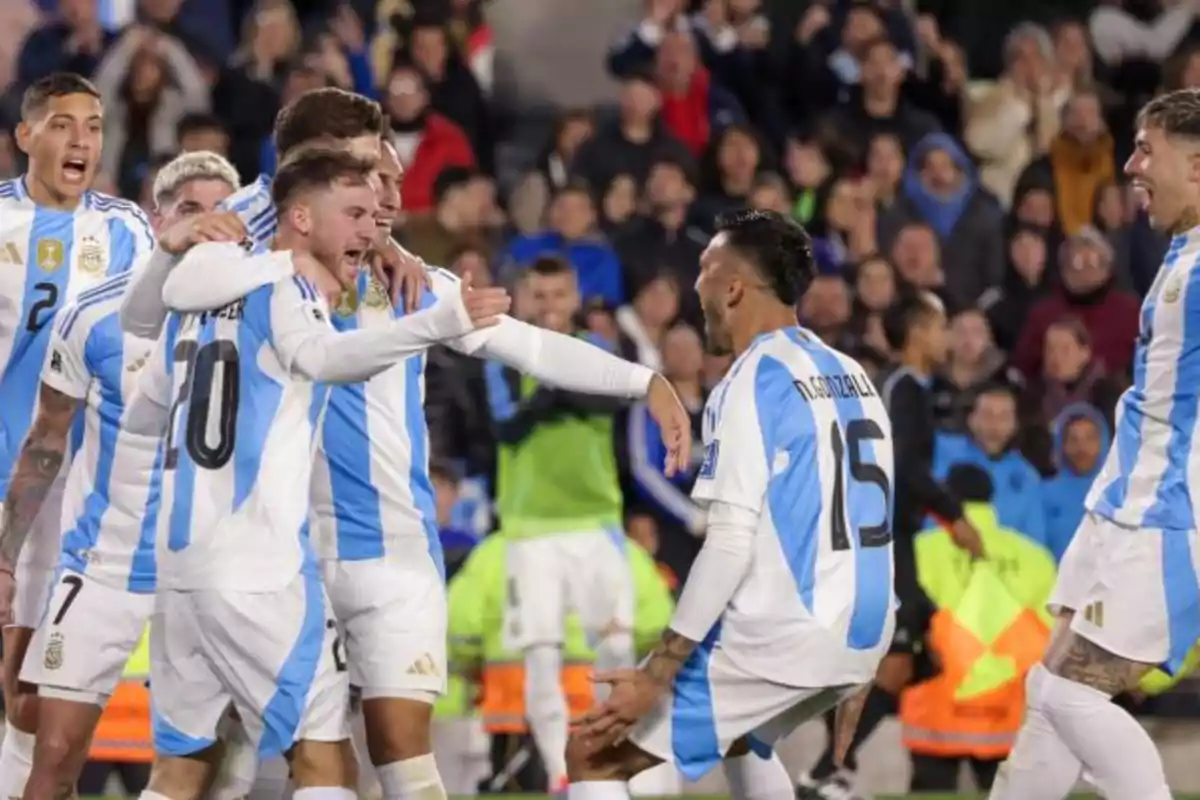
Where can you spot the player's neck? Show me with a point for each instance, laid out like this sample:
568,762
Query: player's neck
1189,220
917,362
43,194
766,320
309,268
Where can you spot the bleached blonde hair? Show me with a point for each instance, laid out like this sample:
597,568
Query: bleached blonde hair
188,167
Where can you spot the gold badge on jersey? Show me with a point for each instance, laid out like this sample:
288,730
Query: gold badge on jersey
1171,293
91,256
49,254
347,303
376,296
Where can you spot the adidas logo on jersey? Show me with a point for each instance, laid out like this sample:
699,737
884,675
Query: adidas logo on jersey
423,666
11,254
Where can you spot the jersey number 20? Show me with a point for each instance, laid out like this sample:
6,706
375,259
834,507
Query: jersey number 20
862,471
196,391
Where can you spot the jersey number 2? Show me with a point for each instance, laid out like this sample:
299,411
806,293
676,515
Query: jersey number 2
857,432
196,391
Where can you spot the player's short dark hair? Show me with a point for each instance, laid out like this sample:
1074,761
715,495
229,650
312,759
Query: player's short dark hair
326,114
549,266
778,247
910,310
1176,113
56,84
970,484
317,169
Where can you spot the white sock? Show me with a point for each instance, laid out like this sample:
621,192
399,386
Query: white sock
598,790
325,793
1040,766
614,651
412,779
16,760
753,778
546,708
273,780
1113,747
661,781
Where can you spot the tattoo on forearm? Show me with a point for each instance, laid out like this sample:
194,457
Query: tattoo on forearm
37,466
1084,662
668,657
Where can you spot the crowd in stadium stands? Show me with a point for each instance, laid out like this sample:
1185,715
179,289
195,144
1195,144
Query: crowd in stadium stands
1000,192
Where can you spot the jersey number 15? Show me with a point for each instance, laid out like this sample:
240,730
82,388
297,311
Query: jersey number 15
196,390
862,471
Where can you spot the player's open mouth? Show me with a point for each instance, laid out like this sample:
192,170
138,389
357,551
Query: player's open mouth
1143,193
74,169
353,256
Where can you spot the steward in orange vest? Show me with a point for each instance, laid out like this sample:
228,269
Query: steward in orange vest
123,734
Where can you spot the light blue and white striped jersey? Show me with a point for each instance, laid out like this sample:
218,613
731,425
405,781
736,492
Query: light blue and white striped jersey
1151,476
253,205
109,522
797,433
371,494
238,452
46,258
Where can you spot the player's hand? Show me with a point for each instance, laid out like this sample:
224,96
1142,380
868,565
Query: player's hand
404,274
8,591
213,226
633,695
965,536
674,421
484,306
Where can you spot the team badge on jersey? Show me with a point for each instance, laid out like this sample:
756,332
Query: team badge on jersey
376,296
91,256
56,364
54,652
49,254
347,303
708,468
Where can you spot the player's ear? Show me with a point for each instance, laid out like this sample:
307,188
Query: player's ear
301,218
24,136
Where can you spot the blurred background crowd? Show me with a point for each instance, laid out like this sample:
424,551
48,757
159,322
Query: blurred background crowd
971,149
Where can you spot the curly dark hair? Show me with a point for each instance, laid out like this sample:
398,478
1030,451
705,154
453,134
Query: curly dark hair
778,247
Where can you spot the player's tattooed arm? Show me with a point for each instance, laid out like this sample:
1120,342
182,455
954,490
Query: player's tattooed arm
37,466
668,658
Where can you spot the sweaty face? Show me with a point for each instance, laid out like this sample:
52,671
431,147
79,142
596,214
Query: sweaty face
194,197
63,144
554,300
343,227
389,174
1163,177
1082,444
993,422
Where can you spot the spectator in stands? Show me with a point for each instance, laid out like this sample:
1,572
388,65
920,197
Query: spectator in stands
990,444
1121,36
297,79
1088,292
452,88
643,323
202,132
939,82
635,141
455,222
72,41
1073,55
974,362
148,82
848,232
456,539
1081,438
695,107
808,170
619,204
880,106
1033,204
732,163
772,193
941,189
203,28
426,141
918,258
678,520
1114,214
1012,121
825,310
573,235
875,290
1080,160
572,129
1026,281
885,169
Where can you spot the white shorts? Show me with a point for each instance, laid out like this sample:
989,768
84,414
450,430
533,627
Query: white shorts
550,576
38,562
79,652
715,703
392,618
269,654
1135,592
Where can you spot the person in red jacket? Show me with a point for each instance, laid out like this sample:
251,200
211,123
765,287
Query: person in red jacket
426,141
1088,293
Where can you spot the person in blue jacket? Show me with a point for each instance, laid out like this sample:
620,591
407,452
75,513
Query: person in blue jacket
989,443
1081,440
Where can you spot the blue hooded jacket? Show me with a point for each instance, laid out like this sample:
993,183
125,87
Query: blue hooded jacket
942,213
1018,486
1064,493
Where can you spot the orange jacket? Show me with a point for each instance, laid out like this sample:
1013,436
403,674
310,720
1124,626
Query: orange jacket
124,734
502,700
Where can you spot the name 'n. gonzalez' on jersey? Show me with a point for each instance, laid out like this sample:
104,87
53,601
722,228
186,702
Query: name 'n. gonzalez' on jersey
237,454
47,257
109,521
1151,476
797,433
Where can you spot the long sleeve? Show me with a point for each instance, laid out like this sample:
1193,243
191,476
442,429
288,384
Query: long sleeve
718,570
143,310
188,78
647,457
1118,36
912,442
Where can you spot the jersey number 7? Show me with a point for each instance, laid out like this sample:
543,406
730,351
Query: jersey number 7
857,431
196,391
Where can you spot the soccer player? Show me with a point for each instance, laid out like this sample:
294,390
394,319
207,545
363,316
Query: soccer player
788,609
240,615
1128,593
104,597
57,238
373,508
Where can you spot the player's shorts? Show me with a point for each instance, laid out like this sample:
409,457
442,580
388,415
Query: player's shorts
38,562
79,652
715,703
392,618
549,576
1135,592
269,654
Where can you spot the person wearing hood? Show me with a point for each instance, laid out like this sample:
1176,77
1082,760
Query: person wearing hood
1026,281
1081,440
940,187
